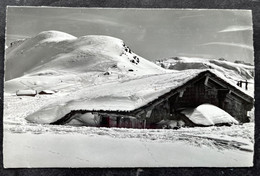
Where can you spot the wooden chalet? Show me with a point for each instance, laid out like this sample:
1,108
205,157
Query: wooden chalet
206,87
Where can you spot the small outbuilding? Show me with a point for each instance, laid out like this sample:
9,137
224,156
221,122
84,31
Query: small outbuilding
28,92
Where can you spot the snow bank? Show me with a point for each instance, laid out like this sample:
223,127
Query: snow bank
207,114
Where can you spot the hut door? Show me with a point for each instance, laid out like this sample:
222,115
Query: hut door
105,121
118,121
221,98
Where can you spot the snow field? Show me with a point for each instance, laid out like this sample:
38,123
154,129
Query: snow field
103,147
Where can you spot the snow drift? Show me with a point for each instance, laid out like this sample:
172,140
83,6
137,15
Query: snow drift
207,115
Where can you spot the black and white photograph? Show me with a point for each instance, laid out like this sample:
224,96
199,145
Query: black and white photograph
128,88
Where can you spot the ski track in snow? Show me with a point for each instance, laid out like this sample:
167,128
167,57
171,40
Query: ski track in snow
150,153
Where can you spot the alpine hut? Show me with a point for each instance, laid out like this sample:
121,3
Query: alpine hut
145,102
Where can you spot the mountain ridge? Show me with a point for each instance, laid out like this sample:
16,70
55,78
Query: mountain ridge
234,71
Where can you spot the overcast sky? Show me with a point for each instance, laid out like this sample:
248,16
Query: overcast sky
150,33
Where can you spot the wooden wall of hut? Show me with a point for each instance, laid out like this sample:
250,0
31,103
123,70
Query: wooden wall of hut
195,95
112,120
199,93
235,107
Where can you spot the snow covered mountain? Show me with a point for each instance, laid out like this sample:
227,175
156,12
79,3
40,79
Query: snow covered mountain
233,71
51,58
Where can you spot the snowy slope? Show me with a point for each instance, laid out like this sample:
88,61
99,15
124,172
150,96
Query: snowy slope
52,58
32,52
235,71
229,68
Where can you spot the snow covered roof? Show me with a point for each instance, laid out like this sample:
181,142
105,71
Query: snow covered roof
28,92
121,96
117,96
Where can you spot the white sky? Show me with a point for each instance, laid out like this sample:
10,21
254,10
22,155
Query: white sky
151,33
